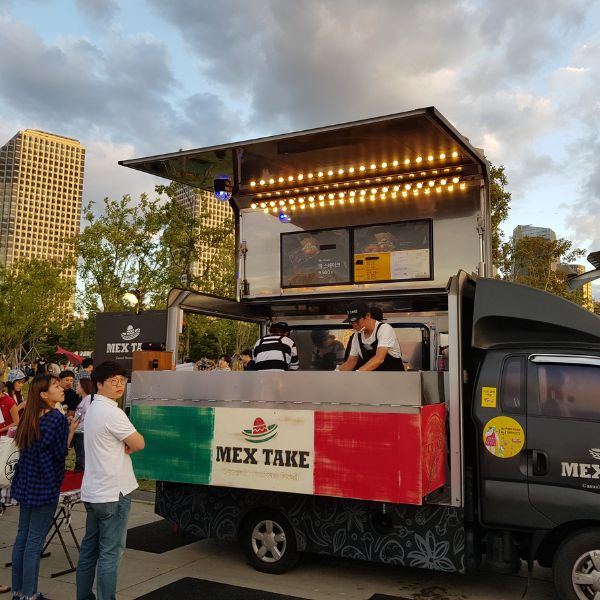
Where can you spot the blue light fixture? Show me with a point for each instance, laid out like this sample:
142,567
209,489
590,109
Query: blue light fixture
222,188
284,217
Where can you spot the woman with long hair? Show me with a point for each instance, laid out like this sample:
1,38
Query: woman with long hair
42,437
85,390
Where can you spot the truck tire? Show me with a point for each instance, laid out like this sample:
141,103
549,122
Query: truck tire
577,566
269,542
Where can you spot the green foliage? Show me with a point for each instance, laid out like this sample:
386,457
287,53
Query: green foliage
35,298
184,236
151,246
534,261
499,207
119,250
210,337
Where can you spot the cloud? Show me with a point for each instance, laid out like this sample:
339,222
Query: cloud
104,177
99,12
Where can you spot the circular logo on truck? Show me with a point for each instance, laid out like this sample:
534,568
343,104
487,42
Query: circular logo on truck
503,437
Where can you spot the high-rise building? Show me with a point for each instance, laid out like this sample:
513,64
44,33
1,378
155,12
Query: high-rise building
41,185
521,269
212,213
585,292
523,231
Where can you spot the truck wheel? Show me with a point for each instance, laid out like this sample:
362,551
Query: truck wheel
270,542
577,566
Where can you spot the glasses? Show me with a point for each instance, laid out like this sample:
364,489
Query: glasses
116,381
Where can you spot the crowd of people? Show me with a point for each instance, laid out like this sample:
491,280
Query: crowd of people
80,408
44,425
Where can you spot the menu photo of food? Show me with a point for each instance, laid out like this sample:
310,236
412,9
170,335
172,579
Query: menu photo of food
393,252
314,258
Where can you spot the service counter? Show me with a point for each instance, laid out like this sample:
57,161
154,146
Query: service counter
373,436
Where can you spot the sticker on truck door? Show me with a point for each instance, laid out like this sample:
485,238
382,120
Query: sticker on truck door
488,397
503,437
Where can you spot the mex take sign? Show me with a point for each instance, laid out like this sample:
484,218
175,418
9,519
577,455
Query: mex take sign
120,334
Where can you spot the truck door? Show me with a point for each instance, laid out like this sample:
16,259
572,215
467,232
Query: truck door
563,436
499,411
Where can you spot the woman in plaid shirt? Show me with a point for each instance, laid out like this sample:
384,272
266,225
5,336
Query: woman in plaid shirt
42,437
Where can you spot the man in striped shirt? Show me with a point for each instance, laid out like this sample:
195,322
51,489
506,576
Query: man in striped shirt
276,351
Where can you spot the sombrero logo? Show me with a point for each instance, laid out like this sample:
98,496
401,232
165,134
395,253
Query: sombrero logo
260,432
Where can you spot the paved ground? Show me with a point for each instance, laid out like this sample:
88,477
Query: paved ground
317,578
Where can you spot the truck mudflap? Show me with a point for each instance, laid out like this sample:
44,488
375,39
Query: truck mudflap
428,536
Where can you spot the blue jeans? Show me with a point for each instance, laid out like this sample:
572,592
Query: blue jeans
79,451
31,534
102,548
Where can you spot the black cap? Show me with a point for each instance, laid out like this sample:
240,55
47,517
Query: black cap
357,310
280,326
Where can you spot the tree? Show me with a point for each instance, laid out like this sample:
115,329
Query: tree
35,297
150,246
185,237
534,260
499,208
119,251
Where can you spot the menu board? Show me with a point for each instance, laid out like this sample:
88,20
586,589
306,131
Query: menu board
393,252
315,258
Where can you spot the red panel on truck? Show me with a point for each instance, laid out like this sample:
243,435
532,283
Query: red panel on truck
374,456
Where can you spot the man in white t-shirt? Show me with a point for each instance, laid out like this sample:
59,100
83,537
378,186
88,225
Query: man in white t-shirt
107,484
374,345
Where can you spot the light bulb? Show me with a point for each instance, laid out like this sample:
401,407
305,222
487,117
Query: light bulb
300,176
384,165
407,186
271,181
361,168
253,205
281,202
351,170
373,166
431,183
353,193
384,189
310,175
450,188
443,181
442,156
455,155
331,196
418,159
430,157
420,185
407,161
252,183
455,180
330,173
266,211
340,171
262,182
291,178
292,201
395,163
373,190
320,173
272,203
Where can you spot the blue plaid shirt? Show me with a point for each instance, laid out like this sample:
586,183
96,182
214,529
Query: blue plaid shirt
41,468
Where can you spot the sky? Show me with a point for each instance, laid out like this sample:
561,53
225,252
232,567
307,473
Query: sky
131,78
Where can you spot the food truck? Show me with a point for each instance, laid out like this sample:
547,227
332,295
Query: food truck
484,448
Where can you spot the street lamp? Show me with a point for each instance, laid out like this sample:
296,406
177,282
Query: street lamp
134,298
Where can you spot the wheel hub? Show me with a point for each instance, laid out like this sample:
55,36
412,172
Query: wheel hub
268,541
586,575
